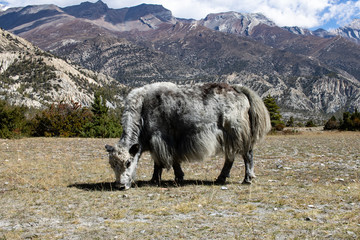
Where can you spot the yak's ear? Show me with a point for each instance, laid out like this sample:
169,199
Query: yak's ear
109,148
134,149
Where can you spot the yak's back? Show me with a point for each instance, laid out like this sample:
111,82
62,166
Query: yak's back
193,108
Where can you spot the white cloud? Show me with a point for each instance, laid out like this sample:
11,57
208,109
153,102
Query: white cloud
304,13
343,13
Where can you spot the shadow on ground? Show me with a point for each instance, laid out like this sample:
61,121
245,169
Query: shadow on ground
110,186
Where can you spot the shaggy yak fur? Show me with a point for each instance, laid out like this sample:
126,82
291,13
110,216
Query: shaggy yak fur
188,123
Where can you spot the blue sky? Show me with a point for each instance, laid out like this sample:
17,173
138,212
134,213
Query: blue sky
311,14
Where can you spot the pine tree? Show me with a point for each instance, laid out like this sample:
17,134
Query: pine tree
290,122
103,124
274,111
98,107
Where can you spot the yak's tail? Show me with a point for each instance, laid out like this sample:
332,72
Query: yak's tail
258,114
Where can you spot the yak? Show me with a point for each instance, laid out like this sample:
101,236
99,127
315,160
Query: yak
178,123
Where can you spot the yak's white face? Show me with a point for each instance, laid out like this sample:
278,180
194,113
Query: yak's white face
124,163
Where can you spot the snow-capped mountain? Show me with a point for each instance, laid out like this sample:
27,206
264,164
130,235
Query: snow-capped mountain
350,31
234,22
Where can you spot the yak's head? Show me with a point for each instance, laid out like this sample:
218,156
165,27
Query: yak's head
124,161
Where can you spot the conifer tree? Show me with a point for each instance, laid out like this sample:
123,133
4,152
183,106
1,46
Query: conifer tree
98,107
103,124
290,122
274,111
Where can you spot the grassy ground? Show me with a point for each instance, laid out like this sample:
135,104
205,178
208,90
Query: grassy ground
307,187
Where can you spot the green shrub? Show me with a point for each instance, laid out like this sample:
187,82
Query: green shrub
349,122
105,127
310,123
332,124
290,122
62,120
13,123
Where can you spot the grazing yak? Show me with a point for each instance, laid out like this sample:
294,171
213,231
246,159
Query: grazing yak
178,123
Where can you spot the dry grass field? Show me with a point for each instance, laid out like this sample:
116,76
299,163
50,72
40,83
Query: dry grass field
307,187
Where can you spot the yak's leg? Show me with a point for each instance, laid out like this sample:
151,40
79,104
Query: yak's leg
156,178
249,167
179,174
225,172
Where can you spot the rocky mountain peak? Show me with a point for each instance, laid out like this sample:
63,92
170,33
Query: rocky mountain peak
323,33
142,10
298,30
99,9
234,22
87,10
350,31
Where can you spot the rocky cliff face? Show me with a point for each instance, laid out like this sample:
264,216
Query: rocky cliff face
127,62
32,77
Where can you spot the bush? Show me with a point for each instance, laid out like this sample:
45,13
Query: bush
310,123
349,122
332,124
290,122
72,120
279,126
62,120
13,123
105,127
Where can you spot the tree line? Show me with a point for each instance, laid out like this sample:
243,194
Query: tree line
60,120
73,120
276,118
349,121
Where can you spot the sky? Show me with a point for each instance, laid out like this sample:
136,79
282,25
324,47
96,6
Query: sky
312,14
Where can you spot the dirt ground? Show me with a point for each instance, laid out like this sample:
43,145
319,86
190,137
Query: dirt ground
307,187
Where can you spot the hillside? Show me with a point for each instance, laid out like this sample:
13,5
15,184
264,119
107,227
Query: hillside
127,62
193,53
29,76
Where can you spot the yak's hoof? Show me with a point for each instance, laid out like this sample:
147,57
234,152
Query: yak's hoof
220,181
246,182
155,181
179,180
